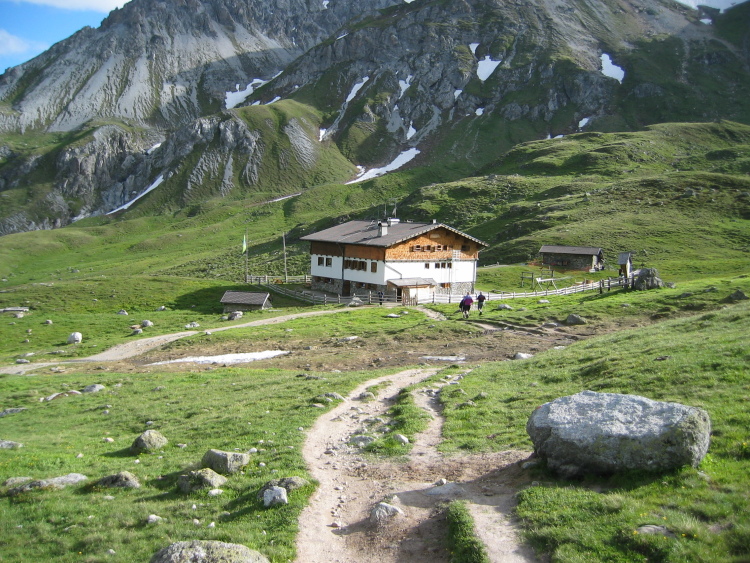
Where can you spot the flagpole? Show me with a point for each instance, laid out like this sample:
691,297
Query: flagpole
246,253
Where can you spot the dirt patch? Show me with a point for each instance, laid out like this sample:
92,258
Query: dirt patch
336,526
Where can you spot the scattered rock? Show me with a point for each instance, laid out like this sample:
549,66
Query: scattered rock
192,325
504,307
9,445
15,481
147,324
94,388
162,308
651,529
647,278
48,322
401,439
75,338
123,479
154,519
349,339
393,316
334,396
356,302
361,441
150,440
543,301
383,512
206,551
274,496
288,483
53,483
235,315
603,433
574,319
225,462
522,356
205,478
22,361
122,312
366,396
738,295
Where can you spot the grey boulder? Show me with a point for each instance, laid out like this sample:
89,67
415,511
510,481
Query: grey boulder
207,552
647,278
225,462
205,478
603,433
150,440
124,480
52,483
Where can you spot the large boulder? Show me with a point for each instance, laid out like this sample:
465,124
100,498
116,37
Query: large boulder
53,483
207,552
604,433
647,278
123,479
149,441
75,338
225,462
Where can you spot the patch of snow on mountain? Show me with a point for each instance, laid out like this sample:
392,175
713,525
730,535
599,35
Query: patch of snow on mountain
321,135
233,99
611,69
397,163
404,85
151,188
473,47
411,132
276,99
152,149
707,21
342,36
356,88
479,111
457,93
325,4
227,358
583,122
486,67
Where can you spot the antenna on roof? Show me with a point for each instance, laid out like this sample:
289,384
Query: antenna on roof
395,206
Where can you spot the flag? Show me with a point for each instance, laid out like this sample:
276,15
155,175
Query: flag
244,244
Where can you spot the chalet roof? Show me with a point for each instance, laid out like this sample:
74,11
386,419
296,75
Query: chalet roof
579,250
623,257
413,282
366,233
244,298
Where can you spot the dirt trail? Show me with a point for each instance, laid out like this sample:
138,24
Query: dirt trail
142,345
335,527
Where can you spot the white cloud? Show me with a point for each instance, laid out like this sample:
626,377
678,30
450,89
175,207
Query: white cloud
104,6
11,44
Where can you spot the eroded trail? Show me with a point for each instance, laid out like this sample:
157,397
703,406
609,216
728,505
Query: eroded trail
335,527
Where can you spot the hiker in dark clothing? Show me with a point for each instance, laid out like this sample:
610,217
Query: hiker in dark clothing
480,302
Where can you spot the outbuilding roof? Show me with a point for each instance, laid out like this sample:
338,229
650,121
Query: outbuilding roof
578,250
244,298
368,233
623,257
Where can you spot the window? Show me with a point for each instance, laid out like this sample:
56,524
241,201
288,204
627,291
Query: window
320,260
373,267
427,248
437,265
417,248
329,261
427,266
438,247
465,247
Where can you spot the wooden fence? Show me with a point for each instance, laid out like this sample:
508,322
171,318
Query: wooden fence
371,298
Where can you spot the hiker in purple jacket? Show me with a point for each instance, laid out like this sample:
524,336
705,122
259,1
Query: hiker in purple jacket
465,305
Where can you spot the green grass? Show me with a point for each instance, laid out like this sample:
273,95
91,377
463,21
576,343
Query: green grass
205,408
463,544
705,366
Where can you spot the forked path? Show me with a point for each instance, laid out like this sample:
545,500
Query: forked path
335,526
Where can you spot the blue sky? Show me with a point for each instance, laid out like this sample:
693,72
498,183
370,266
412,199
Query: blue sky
29,27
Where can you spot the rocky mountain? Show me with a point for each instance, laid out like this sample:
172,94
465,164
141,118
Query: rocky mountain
140,103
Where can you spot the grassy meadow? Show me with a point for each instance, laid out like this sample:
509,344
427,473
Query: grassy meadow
677,194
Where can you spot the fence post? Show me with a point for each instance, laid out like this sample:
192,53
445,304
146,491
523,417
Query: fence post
339,297
369,297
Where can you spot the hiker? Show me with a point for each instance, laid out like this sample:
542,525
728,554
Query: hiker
465,305
480,302
380,297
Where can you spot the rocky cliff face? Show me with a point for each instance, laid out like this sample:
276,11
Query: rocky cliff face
166,63
459,81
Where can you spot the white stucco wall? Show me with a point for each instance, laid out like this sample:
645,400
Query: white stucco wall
462,271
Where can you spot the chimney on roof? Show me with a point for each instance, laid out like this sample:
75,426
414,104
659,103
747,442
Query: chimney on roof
382,229
434,221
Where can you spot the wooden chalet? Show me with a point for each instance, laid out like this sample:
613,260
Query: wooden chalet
396,257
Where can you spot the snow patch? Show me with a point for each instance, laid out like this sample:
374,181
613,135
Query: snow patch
473,47
282,198
233,99
411,132
397,163
152,149
457,93
227,358
479,111
276,99
707,21
486,67
583,122
720,4
321,135
404,85
325,4
342,36
151,188
611,69
356,88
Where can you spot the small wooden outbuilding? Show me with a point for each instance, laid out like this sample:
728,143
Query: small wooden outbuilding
588,258
245,301
625,261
